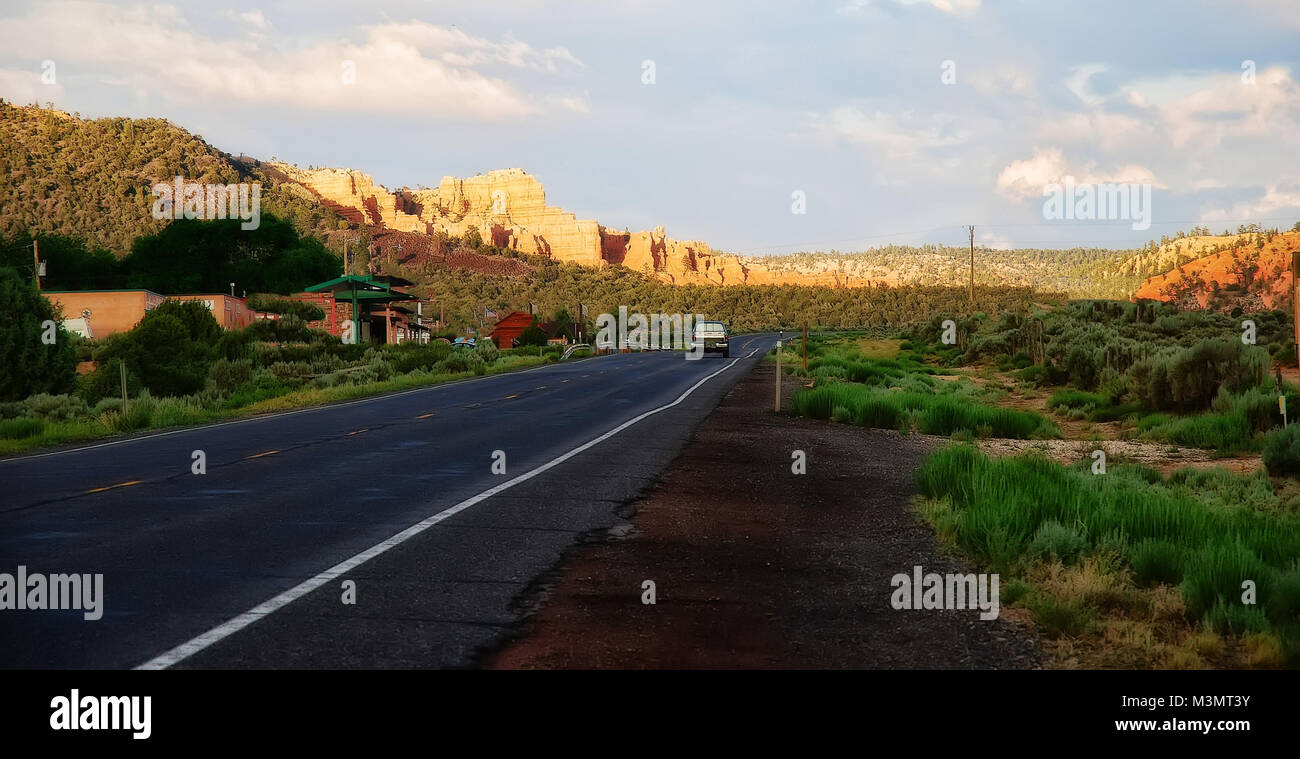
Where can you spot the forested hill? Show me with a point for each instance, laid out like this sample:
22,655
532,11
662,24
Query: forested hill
1081,272
92,178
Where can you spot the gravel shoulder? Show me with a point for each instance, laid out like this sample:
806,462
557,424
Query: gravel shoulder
755,566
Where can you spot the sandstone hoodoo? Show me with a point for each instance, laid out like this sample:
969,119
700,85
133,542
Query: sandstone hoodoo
507,208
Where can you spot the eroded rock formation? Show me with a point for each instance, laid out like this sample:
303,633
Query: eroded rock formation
507,208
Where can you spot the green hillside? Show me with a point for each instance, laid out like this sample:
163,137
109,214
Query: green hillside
91,178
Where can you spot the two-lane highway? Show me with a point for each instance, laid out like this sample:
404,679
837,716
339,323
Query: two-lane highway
245,565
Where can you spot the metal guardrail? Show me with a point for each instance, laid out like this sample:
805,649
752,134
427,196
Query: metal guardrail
570,350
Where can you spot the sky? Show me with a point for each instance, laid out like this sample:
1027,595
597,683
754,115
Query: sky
882,121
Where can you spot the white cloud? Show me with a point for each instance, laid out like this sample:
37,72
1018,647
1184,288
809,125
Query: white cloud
1080,83
575,103
456,48
1000,80
851,7
406,66
1279,201
1105,130
1027,178
1203,111
900,134
994,241
24,87
255,19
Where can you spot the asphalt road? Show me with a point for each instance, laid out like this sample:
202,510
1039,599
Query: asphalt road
295,504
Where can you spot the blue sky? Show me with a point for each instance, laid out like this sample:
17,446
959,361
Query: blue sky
751,101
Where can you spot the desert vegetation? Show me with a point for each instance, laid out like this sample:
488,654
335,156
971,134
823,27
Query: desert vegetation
1130,568
1122,565
1152,371
901,393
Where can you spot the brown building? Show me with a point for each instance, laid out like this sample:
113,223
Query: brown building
230,312
107,312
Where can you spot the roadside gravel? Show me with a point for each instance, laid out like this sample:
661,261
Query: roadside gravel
754,566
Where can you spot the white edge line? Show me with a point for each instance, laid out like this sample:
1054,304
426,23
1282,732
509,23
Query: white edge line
268,607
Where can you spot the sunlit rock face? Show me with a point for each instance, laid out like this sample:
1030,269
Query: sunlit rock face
507,207
1251,271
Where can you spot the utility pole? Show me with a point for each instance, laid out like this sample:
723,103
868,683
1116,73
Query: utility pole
804,345
972,266
36,258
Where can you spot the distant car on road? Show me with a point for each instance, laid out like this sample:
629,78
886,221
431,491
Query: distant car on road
713,336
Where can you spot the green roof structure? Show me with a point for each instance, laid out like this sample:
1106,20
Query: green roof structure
363,289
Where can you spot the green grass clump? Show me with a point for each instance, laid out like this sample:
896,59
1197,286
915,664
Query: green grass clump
934,414
1208,532
1076,399
1115,413
1237,619
1226,433
1059,618
1057,541
17,429
1157,562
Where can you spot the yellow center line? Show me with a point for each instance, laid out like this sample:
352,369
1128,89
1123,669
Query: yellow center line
425,416
356,432
541,387
263,453
118,485
508,397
